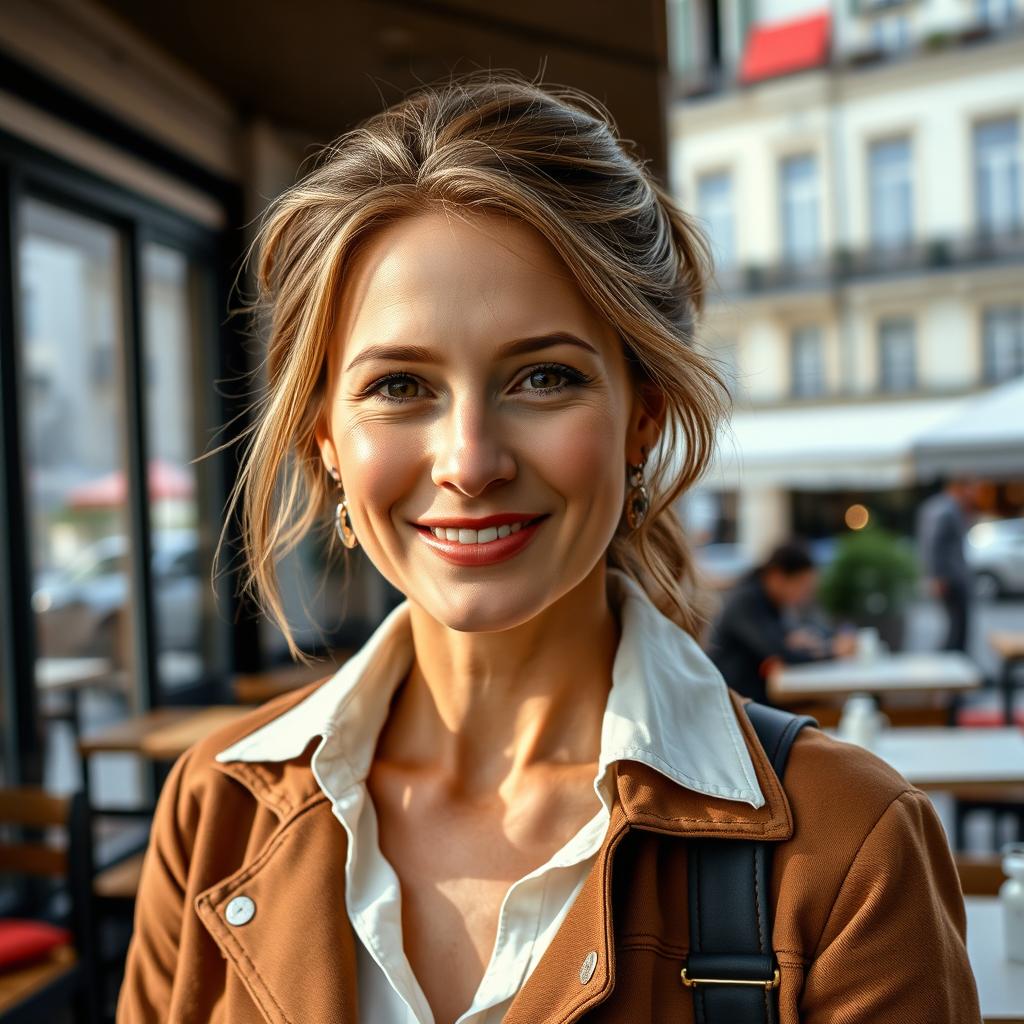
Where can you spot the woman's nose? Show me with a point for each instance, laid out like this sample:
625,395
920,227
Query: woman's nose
469,449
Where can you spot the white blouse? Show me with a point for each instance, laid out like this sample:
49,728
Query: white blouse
667,708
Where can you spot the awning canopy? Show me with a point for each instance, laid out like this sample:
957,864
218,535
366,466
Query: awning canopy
985,437
784,47
866,444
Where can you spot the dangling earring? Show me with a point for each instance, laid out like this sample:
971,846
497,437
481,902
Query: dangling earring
637,501
342,523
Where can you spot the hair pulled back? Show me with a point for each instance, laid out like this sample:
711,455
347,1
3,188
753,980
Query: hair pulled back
487,141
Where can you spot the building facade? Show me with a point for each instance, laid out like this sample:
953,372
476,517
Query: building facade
858,168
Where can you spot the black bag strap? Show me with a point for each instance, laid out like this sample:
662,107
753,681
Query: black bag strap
731,968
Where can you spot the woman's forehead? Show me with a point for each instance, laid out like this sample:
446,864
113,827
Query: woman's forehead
442,279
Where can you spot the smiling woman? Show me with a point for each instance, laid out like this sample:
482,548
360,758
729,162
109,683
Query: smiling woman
481,323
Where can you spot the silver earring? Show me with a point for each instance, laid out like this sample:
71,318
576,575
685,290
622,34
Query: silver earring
342,522
637,501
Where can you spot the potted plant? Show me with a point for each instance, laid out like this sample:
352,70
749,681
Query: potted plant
870,581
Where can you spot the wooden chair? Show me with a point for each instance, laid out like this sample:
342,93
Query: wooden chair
39,991
980,874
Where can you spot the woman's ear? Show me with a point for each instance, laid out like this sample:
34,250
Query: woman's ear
650,408
328,453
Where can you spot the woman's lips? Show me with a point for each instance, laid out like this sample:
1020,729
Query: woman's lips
481,554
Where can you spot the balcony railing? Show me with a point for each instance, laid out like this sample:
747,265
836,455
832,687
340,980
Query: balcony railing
844,266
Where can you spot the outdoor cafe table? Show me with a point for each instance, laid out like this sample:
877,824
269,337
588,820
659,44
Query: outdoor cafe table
1000,981
925,673
974,761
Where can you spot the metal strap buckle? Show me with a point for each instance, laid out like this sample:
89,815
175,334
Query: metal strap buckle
768,985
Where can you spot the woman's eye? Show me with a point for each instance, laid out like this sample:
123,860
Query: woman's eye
550,379
548,372
395,383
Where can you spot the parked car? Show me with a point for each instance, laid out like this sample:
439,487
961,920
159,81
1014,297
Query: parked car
995,553
79,610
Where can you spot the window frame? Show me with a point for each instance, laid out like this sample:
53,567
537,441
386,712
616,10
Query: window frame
28,171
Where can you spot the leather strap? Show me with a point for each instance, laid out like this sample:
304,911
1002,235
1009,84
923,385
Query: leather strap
730,915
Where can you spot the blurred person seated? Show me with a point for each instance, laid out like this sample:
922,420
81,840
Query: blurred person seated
751,636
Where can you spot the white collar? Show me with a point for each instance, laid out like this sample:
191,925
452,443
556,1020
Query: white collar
668,706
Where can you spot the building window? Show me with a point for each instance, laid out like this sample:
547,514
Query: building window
897,357
891,33
799,208
997,175
715,206
807,362
994,12
1003,343
889,173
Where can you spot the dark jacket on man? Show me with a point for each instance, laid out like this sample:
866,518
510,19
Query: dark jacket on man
748,631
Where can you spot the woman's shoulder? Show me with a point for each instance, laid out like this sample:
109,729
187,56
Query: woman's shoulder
841,793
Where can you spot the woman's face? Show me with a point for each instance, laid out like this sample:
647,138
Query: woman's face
469,379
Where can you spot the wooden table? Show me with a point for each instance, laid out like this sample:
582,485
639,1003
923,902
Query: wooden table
1000,981
162,734
70,676
922,673
258,687
1010,647
71,673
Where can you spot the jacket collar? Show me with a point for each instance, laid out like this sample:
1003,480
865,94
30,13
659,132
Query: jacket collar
643,798
668,707
274,763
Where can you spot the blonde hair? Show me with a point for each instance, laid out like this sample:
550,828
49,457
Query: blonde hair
487,141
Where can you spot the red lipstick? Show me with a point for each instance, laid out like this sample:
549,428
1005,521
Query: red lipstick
489,553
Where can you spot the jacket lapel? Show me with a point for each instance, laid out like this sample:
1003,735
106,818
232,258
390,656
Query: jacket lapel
296,883
557,992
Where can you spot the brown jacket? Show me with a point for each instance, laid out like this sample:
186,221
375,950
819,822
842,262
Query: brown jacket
869,918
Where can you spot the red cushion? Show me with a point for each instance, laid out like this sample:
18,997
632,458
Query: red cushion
987,717
22,940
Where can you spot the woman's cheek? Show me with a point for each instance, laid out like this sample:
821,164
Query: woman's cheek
583,462
376,460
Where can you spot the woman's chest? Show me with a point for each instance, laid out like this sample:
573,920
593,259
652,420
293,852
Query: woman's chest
455,864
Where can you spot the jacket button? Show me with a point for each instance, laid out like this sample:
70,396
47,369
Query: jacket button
589,966
240,910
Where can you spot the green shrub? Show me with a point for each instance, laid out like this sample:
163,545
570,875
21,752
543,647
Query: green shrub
873,575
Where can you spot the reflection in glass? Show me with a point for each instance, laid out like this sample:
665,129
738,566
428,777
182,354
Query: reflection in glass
173,507
73,428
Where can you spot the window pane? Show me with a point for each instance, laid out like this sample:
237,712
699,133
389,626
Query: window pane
715,206
891,195
799,203
74,431
171,384
994,12
1003,343
896,355
997,175
807,362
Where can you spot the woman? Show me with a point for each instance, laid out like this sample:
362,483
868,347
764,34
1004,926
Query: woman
481,358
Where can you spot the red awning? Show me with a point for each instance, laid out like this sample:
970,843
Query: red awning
785,47
166,482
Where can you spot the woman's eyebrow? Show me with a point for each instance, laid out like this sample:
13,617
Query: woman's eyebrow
422,354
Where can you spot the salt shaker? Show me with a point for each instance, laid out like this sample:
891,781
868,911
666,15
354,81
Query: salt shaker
1011,897
860,722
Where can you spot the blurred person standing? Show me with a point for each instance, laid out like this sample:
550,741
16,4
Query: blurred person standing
942,523
750,636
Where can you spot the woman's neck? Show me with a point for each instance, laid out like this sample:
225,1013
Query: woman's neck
480,709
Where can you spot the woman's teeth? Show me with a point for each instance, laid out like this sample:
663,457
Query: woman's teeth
463,536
